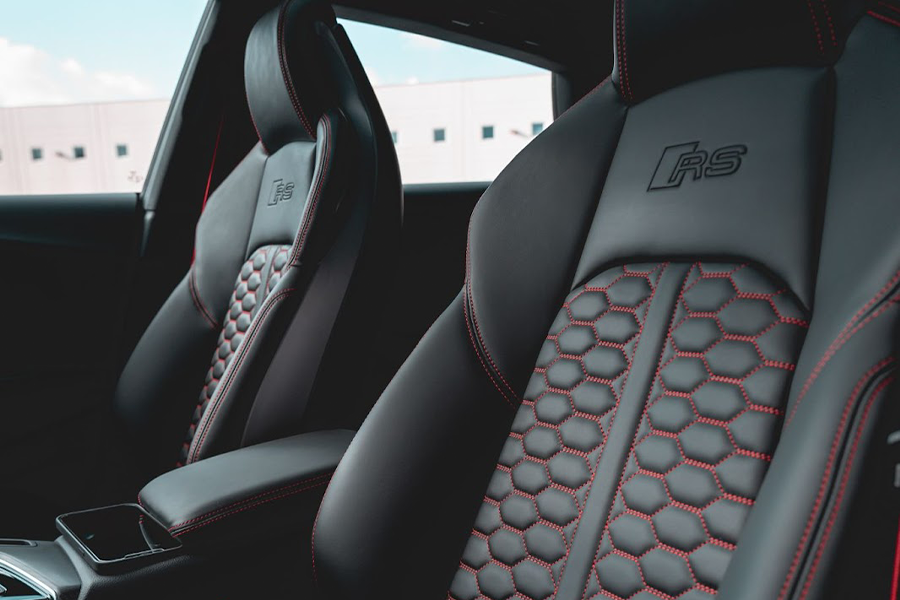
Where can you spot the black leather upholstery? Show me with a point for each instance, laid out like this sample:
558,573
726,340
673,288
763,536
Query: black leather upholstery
719,228
297,234
242,495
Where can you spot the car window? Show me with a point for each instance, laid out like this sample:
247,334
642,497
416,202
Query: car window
83,95
456,114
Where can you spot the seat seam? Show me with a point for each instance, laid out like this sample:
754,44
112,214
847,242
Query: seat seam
198,302
244,349
248,507
829,466
317,193
852,327
258,496
480,346
286,73
884,18
845,476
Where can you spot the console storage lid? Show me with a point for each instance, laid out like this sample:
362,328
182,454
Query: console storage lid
266,490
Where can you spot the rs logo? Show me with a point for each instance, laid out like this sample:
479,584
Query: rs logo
682,160
281,192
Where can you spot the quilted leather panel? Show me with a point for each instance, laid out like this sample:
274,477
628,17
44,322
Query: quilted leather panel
705,439
258,277
698,457
528,518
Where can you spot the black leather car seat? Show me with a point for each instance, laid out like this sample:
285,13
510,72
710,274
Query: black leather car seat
291,251
711,239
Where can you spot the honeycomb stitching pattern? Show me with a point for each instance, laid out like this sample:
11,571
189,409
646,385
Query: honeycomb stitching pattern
705,440
258,277
525,526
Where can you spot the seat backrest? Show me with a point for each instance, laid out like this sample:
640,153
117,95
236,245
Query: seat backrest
710,239
289,252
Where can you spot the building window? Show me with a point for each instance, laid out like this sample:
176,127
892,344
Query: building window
536,128
487,132
78,151
395,136
37,154
440,135
121,150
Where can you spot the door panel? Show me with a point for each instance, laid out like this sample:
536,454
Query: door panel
68,263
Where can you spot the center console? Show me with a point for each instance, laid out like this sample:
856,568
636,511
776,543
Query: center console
231,525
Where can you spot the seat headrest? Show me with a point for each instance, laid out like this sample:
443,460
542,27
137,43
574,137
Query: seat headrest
662,43
287,88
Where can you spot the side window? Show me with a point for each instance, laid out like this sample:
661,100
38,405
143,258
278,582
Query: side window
84,90
456,114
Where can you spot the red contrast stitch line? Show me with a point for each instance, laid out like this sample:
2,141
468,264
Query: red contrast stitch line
889,6
620,40
815,22
843,337
316,479
830,22
320,185
896,579
507,390
195,296
212,411
634,439
248,507
826,476
843,486
881,17
596,89
286,74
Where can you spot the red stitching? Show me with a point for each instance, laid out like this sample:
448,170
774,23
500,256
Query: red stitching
889,6
830,22
826,476
842,338
815,22
881,17
286,74
195,296
634,439
237,503
896,578
469,306
620,40
320,185
248,507
212,411
253,120
596,89
843,486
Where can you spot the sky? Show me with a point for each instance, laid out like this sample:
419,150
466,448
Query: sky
71,51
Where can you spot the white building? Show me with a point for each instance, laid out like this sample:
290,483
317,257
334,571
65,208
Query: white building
444,132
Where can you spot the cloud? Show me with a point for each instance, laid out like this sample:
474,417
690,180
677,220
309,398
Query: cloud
31,76
421,42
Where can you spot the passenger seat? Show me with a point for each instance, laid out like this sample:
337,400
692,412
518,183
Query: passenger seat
291,255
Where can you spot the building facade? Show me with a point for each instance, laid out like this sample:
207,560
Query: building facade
444,132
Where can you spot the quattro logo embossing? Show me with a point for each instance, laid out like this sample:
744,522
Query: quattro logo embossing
679,161
281,192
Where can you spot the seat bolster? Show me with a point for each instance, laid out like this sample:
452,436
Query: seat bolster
401,504
155,393
528,231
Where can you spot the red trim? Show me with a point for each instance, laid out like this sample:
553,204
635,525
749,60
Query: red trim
212,165
896,567
880,17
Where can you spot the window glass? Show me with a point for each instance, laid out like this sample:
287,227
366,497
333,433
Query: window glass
462,114
83,94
